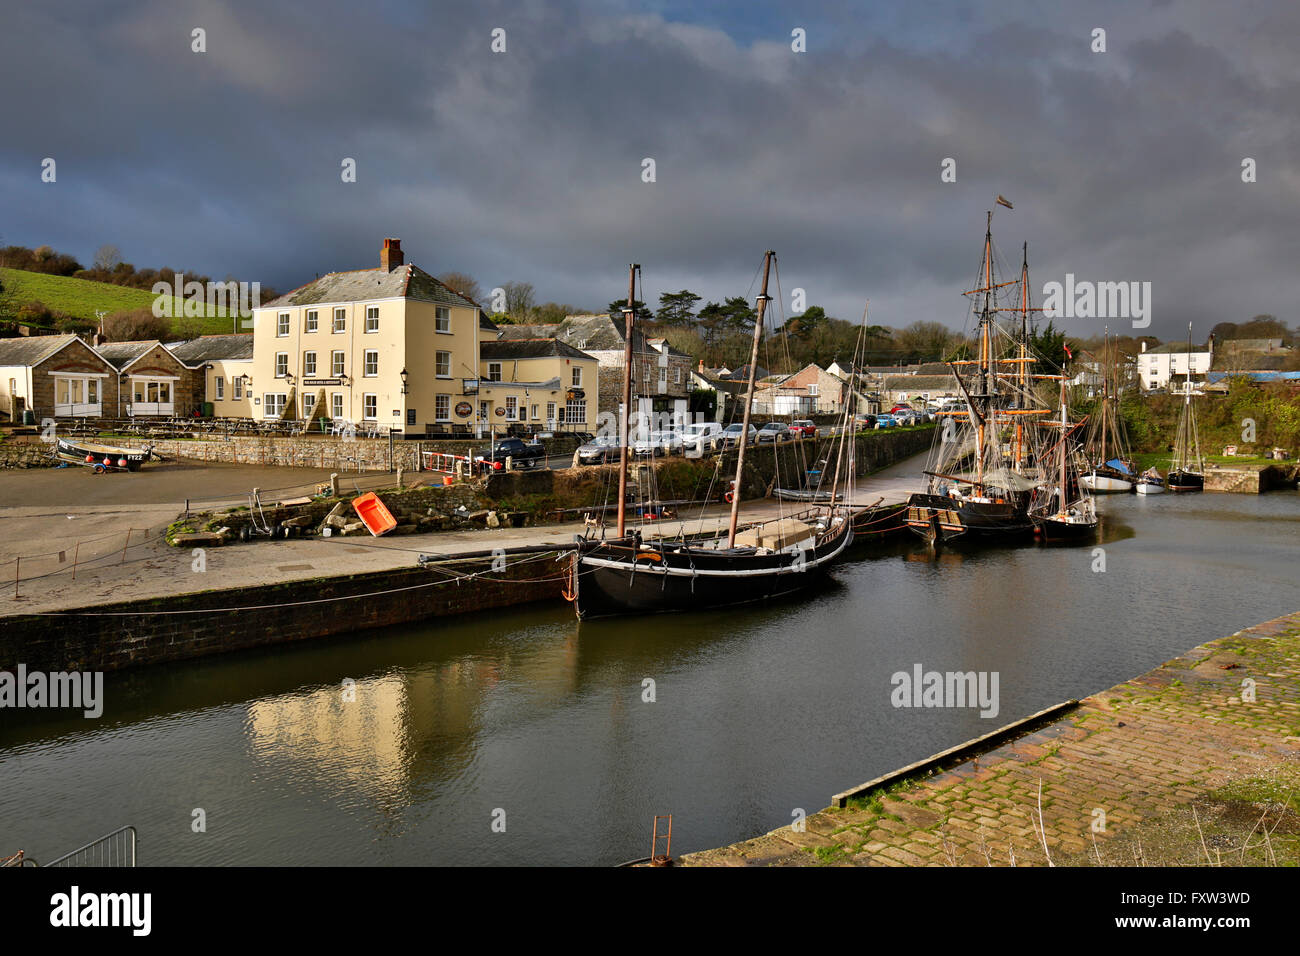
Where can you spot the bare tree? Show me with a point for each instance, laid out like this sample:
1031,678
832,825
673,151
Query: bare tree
519,300
106,257
464,284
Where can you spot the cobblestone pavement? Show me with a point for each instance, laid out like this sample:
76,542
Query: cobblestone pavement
1134,753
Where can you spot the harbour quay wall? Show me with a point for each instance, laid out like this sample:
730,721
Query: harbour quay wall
26,454
112,637
680,478
1251,480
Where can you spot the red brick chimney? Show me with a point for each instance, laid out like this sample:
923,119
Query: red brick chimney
390,256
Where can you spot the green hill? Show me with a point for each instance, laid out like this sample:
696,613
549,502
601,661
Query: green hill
83,298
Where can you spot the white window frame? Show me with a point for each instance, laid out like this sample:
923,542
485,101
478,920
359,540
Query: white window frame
370,400
512,408
218,388
442,408
309,364
438,364
312,322
336,405
494,371
340,321
236,388
282,325
442,319
575,411
273,404
281,364
308,404
577,376
372,314
338,363
369,368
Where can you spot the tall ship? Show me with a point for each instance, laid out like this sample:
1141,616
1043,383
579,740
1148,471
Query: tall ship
634,573
1187,470
983,469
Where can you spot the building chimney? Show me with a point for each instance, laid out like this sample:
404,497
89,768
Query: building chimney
1144,345
390,256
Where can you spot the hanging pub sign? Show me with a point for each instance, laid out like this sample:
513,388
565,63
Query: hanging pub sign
464,409
500,413
574,394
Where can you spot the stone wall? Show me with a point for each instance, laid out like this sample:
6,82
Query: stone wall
21,454
116,636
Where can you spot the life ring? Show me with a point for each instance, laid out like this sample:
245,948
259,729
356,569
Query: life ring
729,497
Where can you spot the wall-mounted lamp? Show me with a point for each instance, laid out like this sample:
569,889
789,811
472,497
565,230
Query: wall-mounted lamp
404,375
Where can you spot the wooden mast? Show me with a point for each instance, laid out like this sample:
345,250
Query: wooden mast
1064,427
628,313
985,363
749,401
1024,336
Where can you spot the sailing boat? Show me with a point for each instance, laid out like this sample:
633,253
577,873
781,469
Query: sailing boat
1187,470
1111,470
978,486
1063,508
627,574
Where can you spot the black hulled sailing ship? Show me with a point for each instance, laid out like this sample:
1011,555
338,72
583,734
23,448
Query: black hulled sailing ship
1187,470
1063,507
628,574
982,473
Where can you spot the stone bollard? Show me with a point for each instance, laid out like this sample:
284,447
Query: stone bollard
575,459
399,475
334,485
510,463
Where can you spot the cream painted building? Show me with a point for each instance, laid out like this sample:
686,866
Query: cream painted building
390,346
542,382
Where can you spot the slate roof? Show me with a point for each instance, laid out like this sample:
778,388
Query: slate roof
528,348
1174,348
31,349
212,348
121,354
406,281
600,333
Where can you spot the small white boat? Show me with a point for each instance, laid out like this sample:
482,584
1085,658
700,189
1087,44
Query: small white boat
1100,484
1150,483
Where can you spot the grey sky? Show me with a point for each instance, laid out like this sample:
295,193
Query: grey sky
526,165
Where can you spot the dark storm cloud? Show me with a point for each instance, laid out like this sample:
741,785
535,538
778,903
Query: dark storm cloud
527,165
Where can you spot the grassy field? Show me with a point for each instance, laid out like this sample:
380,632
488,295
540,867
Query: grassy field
83,298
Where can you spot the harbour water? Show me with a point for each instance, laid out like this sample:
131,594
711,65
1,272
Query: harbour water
755,712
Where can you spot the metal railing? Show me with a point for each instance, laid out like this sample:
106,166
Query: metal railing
114,849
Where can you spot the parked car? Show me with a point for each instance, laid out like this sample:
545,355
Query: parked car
900,407
600,451
803,429
520,453
884,421
702,437
773,432
731,435
865,421
657,445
